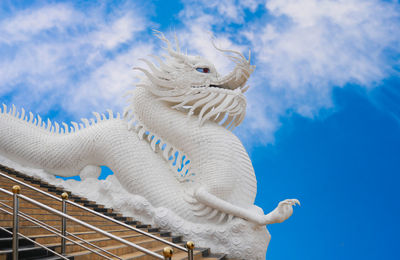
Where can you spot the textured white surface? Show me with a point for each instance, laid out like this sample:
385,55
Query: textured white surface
176,164
239,238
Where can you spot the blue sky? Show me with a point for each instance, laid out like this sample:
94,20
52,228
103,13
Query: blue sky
323,108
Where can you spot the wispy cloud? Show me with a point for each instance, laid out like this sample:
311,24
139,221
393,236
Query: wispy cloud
55,52
105,86
78,60
28,23
303,49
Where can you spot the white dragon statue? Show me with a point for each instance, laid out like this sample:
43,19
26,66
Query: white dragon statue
172,146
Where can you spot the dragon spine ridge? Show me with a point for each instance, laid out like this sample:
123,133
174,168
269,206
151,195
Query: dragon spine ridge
56,129
177,159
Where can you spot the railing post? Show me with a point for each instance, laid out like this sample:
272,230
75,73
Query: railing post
64,197
190,247
16,190
168,252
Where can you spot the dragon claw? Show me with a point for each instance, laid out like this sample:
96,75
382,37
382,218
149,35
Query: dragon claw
291,202
282,212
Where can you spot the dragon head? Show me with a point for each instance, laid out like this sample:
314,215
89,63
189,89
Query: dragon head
192,84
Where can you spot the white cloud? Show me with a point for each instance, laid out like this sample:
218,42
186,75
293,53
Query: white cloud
327,42
80,60
30,22
107,84
119,31
322,45
222,11
63,58
303,49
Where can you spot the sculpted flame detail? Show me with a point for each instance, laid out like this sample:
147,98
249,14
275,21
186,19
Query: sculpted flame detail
172,147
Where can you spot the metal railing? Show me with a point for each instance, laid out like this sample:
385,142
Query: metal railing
167,252
56,232
33,241
17,196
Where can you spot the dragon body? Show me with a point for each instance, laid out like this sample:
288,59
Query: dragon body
172,145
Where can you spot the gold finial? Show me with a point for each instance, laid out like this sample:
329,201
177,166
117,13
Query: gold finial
190,245
64,196
168,252
16,189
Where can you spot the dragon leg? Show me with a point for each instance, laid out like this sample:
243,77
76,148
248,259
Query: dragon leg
278,215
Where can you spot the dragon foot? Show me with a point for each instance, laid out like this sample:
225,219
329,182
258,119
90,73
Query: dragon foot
282,212
90,171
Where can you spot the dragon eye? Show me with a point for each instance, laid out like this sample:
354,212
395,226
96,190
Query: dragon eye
203,70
